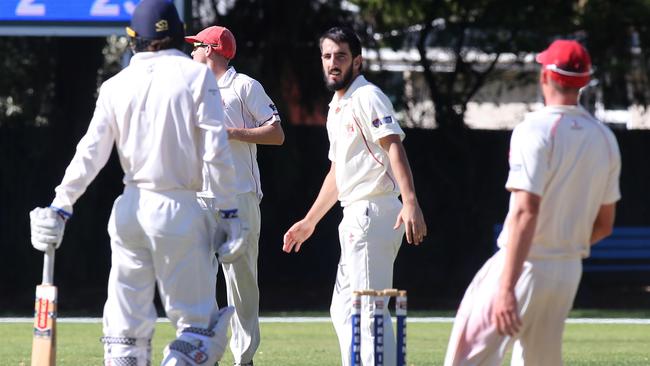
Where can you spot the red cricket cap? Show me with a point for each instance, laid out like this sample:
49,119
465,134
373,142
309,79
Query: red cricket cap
568,62
220,38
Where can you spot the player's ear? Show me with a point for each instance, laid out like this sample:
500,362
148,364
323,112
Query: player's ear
543,76
357,62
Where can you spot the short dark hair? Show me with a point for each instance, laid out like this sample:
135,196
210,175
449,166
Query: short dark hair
152,45
343,35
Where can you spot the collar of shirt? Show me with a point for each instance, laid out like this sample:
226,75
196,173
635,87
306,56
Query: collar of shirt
566,109
227,77
358,82
143,56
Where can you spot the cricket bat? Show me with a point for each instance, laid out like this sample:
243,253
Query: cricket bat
44,343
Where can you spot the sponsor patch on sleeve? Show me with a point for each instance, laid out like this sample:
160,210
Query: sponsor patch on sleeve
382,121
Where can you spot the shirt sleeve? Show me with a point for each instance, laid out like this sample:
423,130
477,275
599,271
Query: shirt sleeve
260,106
92,153
612,191
528,160
218,165
375,112
331,136
207,98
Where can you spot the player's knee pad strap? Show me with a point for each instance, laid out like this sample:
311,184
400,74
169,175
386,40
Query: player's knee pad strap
196,347
199,346
122,361
193,347
126,351
199,331
196,354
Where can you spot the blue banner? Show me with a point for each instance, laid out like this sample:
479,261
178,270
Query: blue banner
67,10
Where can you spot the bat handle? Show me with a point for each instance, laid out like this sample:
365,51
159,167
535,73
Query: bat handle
48,265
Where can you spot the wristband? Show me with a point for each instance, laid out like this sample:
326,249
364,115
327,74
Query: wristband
228,214
65,215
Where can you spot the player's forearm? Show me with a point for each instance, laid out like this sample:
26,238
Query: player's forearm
263,135
402,171
327,197
599,233
604,223
523,221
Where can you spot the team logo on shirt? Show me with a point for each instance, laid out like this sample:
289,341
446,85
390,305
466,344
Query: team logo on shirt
382,121
349,128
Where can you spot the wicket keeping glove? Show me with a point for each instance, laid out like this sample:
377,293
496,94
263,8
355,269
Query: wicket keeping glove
230,241
47,225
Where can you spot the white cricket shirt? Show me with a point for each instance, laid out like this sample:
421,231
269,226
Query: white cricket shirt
246,105
572,161
355,123
163,113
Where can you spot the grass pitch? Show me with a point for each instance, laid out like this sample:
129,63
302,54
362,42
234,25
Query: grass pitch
315,344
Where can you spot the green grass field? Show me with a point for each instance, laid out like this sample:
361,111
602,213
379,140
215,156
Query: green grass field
314,343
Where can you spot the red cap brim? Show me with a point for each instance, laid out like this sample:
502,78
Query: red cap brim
191,39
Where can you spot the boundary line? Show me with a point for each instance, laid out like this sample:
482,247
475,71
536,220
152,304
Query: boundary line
293,319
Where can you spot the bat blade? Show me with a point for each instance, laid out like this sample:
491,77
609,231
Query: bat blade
44,342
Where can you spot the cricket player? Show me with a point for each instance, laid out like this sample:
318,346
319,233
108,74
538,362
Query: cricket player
163,113
251,118
369,169
563,179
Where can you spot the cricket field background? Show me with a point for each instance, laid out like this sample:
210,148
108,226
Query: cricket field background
311,341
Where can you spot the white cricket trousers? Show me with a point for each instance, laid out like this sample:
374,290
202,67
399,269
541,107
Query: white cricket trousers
158,238
369,246
241,285
545,292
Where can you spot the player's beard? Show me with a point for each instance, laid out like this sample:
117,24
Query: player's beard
341,84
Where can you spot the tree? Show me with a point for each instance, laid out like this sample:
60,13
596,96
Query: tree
617,36
464,29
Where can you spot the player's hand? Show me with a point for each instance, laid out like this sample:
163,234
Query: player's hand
413,220
296,235
47,226
230,248
505,314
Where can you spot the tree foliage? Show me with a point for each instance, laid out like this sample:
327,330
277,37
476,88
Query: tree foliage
40,76
26,83
618,36
464,29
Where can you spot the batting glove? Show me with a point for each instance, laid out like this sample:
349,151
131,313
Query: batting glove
232,243
47,225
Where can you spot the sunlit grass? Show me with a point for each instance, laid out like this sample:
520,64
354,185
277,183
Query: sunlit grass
314,343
